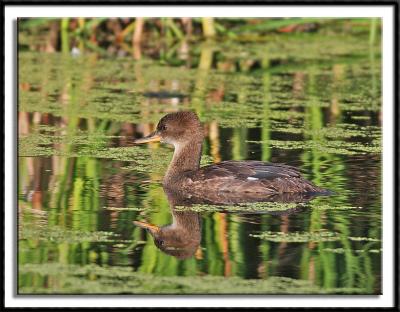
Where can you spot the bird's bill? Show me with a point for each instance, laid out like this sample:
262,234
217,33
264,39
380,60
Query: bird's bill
152,137
152,228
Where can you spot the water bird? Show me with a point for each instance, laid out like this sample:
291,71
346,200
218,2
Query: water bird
253,178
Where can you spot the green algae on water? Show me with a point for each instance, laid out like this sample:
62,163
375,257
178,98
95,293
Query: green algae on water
298,237
43,141
94,279
330,147
241,207
125,208
303,237
58,234
368,239
359,251
35,145
334,207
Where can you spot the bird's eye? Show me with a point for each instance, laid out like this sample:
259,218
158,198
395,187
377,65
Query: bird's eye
161,243
162,128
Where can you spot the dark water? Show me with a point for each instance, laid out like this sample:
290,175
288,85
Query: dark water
315,105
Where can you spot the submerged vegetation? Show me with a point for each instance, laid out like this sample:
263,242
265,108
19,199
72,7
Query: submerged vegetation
306,92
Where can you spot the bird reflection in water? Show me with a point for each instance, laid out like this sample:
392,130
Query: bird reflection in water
182,238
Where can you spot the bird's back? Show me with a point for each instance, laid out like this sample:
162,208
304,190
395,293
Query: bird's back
249,177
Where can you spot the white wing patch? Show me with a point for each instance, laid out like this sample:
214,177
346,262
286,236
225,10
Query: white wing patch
252,179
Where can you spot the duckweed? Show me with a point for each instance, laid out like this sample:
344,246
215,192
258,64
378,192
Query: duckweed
298,237
303,237
359,251
334,207
94,279
330,147
124,208
242,207
58,234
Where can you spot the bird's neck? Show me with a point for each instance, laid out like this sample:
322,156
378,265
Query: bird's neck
186,158
186,221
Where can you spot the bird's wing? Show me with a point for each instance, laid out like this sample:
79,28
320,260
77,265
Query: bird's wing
245,170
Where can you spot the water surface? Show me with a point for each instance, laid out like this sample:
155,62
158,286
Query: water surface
309,100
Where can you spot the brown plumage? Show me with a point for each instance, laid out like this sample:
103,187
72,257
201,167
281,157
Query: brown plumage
184,131
249,177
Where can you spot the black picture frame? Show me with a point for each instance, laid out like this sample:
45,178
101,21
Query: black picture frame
396,117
